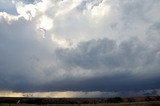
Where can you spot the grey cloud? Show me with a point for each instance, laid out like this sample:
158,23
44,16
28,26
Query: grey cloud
120,63
21,53
106,54
84,3
26,1
87,54
7,6
119,52
131,59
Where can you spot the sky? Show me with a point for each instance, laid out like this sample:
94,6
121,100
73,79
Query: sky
80,48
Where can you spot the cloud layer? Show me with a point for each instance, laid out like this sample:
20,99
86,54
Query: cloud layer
82,45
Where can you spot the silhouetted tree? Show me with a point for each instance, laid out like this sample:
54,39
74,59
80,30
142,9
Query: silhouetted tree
148,98
130,100
114,100
157,98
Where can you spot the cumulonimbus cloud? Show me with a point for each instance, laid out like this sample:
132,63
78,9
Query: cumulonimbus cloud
80,45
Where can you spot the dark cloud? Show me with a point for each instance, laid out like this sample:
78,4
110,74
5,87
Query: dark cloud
20,51
127,64
89,54
106,55
120,67
118,51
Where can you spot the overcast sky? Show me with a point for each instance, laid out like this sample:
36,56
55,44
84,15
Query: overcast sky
79,45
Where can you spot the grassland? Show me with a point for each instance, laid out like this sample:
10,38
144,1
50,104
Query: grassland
101,104
117,101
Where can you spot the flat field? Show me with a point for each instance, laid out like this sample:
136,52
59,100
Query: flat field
116,101
101,104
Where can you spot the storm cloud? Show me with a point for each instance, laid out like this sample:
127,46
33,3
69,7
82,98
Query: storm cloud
85,45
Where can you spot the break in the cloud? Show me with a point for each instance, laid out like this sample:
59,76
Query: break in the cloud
79,94
62,94
79,45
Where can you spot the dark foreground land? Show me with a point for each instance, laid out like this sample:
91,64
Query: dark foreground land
116,101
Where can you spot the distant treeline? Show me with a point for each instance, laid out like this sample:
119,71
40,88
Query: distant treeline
77,100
